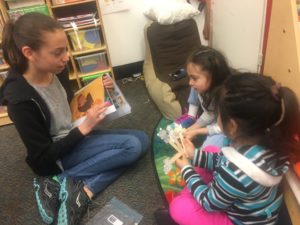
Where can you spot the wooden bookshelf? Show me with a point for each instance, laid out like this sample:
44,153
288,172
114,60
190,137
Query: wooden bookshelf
282,62
282,59
291,203
4,119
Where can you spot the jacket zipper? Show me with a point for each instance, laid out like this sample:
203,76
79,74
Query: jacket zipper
39,107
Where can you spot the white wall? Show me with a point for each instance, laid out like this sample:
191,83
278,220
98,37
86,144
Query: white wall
237,31
125,33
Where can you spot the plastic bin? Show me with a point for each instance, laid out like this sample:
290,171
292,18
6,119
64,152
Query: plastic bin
92,63
16,13
85,39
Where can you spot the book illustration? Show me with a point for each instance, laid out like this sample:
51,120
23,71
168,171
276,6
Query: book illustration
116,212
89,95
119,101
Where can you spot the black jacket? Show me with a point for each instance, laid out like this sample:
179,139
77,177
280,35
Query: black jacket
31,117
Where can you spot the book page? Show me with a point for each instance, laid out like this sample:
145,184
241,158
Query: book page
120,102
91,94
116,212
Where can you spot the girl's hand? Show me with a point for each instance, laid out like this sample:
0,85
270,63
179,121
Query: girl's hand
192,133
189,148
107,82
93,116
182,161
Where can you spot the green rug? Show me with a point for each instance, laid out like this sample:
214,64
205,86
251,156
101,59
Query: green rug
172,182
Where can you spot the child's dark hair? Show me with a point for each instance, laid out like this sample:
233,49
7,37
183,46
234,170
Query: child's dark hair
262,109
215,64
27,30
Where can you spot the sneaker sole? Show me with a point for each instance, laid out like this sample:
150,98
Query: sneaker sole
45,217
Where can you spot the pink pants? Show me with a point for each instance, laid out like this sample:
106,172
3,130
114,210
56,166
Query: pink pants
185,210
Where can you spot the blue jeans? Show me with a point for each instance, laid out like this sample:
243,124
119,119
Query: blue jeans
103,155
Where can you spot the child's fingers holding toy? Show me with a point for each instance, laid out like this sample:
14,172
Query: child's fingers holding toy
189,148
182,161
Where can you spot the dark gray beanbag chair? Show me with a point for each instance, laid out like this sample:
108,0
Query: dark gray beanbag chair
167,48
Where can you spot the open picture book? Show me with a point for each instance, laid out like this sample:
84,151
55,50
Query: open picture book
95,93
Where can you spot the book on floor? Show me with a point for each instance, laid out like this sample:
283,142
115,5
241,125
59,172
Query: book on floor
96,93
116,212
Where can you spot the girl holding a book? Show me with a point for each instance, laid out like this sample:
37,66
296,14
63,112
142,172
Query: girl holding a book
75,163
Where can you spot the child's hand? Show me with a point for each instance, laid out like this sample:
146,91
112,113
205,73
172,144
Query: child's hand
189,148
182,161
191,133
107,82
94,115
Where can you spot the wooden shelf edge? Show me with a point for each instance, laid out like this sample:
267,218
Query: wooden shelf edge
70,4
4,119
291,203
95,50
80,75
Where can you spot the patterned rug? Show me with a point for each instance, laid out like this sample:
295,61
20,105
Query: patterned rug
172,182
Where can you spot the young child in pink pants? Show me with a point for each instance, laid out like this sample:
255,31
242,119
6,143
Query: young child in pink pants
242,184
184,209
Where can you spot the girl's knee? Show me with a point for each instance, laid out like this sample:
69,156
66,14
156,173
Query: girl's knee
143,139
183,208
135,147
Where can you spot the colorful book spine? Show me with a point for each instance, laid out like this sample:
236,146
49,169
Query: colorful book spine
13,4
16,13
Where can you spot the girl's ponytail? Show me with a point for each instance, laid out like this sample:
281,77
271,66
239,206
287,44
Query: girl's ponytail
290,125
11,53
27,30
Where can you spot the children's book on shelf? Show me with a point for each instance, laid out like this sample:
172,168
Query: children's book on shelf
116,212
14,4
95,93
16,13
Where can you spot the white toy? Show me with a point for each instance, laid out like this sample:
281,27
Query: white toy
173,135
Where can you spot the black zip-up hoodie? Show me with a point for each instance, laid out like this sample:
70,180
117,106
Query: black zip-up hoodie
31,118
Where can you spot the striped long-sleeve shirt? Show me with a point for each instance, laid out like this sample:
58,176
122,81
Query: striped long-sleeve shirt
245,184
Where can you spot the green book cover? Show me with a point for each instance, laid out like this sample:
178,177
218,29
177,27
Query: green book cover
16,13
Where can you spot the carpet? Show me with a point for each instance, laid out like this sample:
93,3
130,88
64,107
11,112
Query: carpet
171,183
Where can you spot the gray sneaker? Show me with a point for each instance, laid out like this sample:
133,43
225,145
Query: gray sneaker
74,202
46,196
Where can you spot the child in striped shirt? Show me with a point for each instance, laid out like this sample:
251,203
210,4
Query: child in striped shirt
259,117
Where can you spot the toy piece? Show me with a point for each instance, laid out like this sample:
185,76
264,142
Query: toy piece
173,135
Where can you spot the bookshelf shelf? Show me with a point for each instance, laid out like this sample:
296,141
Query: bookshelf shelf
4,67
94,73
4,119
54,6
76,53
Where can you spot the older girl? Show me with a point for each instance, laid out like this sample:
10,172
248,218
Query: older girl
37,96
